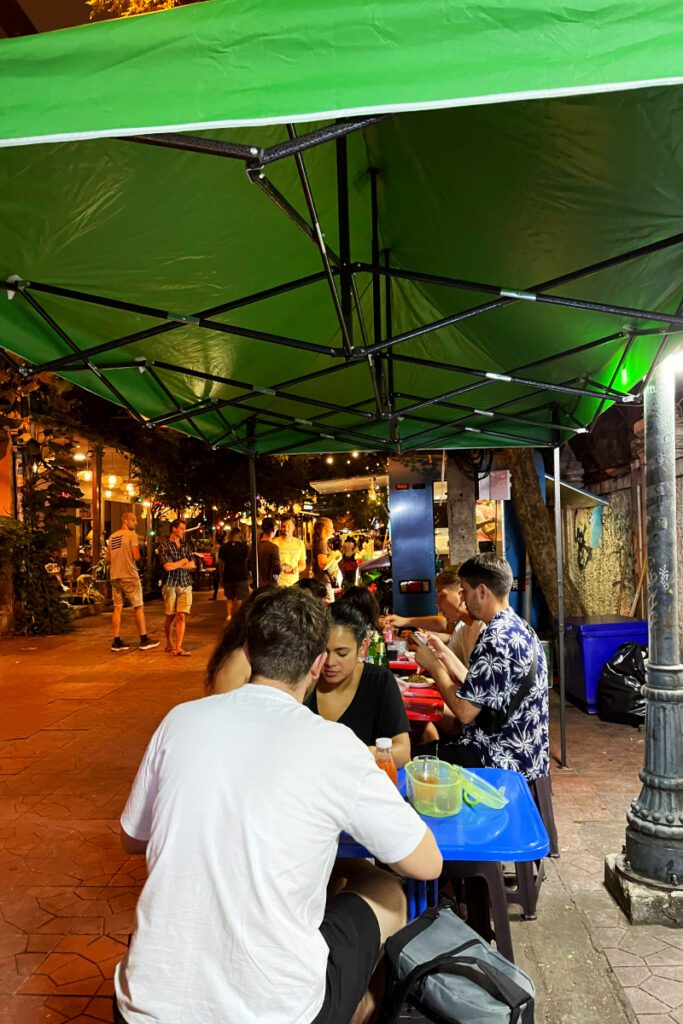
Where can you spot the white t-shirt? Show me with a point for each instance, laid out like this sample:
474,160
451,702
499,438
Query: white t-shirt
242,796
292,552
463,638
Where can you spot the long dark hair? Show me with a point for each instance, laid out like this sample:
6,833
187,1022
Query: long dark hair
318,529
232,638
349,616
366,603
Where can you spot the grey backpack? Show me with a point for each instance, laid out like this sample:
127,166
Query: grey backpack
439,965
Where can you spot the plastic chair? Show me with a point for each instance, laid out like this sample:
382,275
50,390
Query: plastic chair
530,874
487,905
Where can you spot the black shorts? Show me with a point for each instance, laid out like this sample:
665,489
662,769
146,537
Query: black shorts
352,934
236,590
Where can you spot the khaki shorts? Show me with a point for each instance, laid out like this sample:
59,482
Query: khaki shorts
129,587
177,599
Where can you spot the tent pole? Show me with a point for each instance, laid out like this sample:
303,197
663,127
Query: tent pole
319,239
252,154
344,225
559,554
251,429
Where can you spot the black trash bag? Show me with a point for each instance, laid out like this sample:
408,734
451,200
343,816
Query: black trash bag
619,686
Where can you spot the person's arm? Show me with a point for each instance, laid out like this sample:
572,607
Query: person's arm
136,820
275,563
135,548
301,564
448,658
435,623
464,710
132,845
424,863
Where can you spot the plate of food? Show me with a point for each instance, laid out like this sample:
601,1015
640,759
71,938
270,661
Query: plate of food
418,680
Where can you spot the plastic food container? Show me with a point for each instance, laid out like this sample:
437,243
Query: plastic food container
437,789
477,791
434,787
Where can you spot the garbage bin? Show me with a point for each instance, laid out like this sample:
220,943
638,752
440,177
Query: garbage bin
591,641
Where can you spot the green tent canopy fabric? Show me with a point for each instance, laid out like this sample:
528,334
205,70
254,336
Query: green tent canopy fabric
447,270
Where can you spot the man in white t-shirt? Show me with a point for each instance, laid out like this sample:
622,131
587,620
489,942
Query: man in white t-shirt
292,553
123,551
238,805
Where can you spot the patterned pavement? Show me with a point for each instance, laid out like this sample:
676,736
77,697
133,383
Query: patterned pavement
75,721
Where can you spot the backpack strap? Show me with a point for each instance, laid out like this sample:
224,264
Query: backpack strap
525,686
493,720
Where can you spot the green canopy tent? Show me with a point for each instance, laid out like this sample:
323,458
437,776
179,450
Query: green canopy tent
483,247
378,226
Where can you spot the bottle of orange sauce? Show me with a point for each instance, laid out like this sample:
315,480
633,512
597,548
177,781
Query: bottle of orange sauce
384,758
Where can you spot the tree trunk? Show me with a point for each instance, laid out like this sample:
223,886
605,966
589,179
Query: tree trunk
538,529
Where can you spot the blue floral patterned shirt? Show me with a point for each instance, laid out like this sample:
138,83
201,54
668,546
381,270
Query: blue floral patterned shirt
500,661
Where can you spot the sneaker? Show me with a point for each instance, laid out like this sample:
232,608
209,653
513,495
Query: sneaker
117,644
146,644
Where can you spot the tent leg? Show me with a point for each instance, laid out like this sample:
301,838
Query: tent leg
252,490
560,607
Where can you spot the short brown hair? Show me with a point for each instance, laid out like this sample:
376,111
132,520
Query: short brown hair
286,631
490,571
448,577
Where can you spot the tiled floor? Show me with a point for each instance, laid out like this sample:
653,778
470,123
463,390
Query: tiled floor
74,722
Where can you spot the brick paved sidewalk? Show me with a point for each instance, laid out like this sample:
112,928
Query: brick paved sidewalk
75,721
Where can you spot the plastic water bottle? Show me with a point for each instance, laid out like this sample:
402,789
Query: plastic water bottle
385,759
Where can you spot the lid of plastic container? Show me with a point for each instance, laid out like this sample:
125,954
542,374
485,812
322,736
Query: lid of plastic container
383,743
477,791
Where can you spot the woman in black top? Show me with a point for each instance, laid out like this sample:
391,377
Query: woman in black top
366,698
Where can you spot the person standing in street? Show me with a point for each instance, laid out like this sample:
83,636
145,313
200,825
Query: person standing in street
215,552
177,559
268,554
123,551
233,559
292,553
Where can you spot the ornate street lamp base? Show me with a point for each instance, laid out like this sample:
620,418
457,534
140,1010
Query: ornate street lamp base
642,900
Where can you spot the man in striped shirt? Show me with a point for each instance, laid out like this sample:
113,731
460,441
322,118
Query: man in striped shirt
177,559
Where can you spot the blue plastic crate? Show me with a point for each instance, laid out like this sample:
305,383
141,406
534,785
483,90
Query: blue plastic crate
589,643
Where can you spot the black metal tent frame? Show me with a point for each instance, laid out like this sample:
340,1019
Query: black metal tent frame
341,273
380,355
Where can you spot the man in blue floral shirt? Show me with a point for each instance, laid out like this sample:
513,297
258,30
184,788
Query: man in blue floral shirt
496,733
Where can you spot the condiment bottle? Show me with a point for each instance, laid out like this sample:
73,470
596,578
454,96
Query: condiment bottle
384,758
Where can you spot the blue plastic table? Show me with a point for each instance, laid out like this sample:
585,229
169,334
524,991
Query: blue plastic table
512,834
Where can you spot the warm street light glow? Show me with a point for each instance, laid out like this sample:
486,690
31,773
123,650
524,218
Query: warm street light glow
87,475
111,480
355,454
674,362
329,460
79,457
107,494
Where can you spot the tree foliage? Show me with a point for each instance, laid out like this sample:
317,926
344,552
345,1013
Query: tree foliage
49,498
128,8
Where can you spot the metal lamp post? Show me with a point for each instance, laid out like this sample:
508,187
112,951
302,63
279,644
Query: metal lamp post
648,879
654,837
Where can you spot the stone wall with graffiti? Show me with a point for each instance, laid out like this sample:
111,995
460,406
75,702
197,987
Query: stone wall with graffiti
600,554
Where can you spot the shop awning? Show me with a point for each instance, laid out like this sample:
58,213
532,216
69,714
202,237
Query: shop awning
366,226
